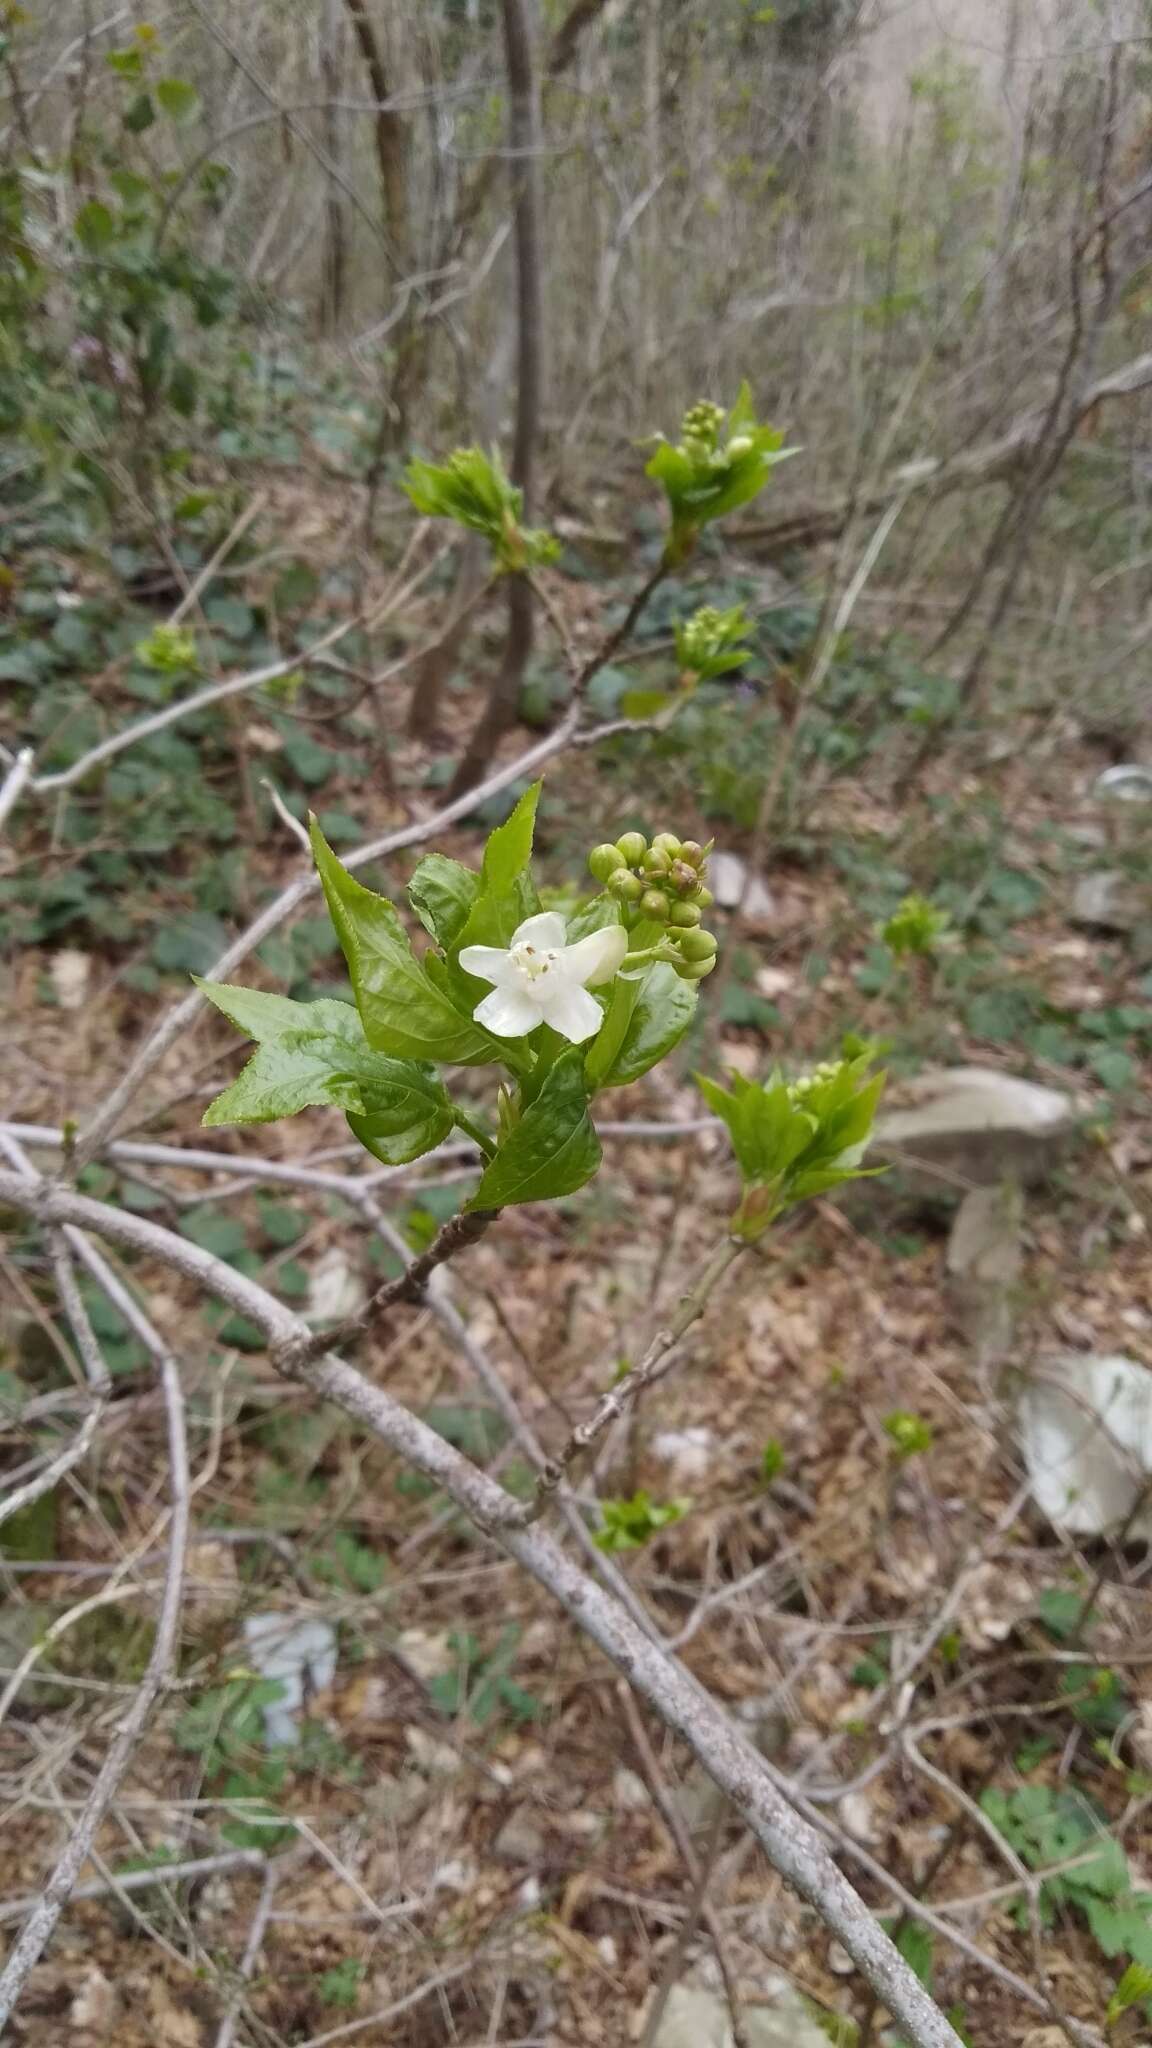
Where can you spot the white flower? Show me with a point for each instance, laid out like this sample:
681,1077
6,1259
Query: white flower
539,979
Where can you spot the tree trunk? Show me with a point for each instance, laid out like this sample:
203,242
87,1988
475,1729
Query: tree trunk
334,273
392,164
504,692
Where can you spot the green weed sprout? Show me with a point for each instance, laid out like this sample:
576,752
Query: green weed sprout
917,926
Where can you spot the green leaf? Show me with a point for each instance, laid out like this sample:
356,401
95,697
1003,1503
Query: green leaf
916,1944
474,489
507,894
1134,1985
314,1054
140,114
662,1010
403,1011
179,99
95,226
442,893
628,1524
406,1117
645,703
553,1149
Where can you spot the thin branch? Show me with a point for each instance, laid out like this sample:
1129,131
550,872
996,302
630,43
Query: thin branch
699,1870
411,1286
215,693
142,1880
33,1939
657,1360
15,782
259,1928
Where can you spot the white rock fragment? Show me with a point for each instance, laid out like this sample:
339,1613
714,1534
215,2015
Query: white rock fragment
689,1453
1086,1434
336,1289
734,887
960,1126
71,972
300,1655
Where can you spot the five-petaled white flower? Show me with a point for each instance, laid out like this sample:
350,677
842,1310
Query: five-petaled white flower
539,979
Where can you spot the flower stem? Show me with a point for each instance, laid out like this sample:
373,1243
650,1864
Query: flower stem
473,1130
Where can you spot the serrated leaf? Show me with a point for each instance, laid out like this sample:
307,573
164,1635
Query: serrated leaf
661,1008
315,1054
552,1150
442,893
403,1011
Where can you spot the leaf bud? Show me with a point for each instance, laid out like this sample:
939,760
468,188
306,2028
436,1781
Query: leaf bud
654,904
685,915
625,886
698,945
631,846
603,861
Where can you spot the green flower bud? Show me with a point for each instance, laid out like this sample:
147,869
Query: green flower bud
668,843
656,861
655,904
632,846
685,915
739,445
625,886
603,861
702,896
698,945
691,851
695,970
683,877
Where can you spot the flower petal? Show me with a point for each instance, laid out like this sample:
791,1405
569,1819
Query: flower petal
545,931
509,1015
490,963
596,958
573,1013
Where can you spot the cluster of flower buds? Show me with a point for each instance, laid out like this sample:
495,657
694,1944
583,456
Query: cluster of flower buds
799,1090
662,883
702,423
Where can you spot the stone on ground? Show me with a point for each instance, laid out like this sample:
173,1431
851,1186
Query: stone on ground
957,1127
1086,1434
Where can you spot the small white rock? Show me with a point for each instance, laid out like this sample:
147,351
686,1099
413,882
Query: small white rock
734,887
629,1792
690,1453
336,1288
1086,1428
429,1655
71,972
299,1653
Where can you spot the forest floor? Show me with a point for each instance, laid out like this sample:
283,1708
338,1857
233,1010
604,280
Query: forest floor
470,1838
